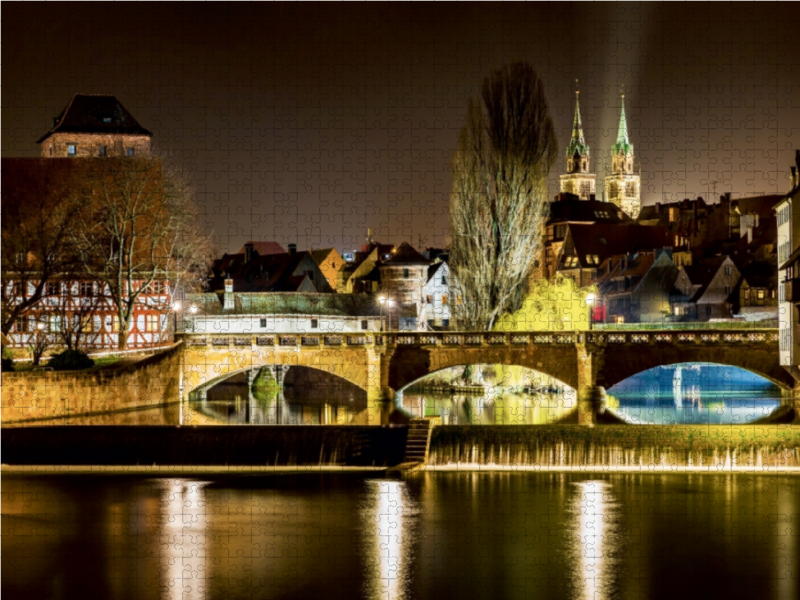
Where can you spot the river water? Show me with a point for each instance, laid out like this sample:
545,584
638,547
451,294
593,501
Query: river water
328,534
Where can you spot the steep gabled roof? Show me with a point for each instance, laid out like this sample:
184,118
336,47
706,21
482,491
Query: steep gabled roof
406,255
95,113
270,273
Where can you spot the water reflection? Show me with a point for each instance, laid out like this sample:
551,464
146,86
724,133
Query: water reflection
183,540
388,533
593,541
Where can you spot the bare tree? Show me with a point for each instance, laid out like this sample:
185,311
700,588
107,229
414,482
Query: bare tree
76,311
39,213
498,205
139,225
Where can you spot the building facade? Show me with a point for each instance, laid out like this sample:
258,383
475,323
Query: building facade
788,215
623,186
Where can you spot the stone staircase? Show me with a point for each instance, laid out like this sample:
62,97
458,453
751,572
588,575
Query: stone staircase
418,443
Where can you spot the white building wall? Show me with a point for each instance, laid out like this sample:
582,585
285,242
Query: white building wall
266,324
437,298
788,217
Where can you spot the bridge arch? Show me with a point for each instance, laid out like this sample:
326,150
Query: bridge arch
407,365
762,361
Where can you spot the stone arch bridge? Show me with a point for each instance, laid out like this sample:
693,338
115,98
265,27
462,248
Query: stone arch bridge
384,364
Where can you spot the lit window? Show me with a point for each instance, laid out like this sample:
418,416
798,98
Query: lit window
762,294
55,323
72,149
151,323
459,299
630,190
115,324
129,151
444,299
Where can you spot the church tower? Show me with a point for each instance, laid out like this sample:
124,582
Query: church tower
577,179
623,187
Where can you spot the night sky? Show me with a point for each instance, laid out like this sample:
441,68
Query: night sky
309,123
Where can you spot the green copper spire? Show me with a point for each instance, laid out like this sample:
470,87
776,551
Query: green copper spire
578,142
623,143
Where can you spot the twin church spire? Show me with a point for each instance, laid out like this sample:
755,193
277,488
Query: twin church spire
622,186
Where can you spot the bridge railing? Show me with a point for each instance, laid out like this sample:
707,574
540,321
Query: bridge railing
468,339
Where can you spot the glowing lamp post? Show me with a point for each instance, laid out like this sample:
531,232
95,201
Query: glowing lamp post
590,298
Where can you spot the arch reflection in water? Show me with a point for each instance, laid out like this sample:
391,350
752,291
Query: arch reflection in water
183,540
389,531
595,540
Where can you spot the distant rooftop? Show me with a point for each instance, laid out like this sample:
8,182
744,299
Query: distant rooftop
95,113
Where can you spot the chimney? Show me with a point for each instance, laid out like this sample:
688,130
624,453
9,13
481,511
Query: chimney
248,252
227,299
292,248
592,197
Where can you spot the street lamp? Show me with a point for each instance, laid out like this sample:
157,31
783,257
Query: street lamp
590,298
176,308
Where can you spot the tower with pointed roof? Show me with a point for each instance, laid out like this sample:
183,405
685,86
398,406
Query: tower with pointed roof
578,180
623,186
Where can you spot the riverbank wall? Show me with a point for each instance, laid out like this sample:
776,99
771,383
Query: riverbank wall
30,397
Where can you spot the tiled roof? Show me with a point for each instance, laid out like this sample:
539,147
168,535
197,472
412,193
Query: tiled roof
586,211
604,241
89,113
270,273
297,303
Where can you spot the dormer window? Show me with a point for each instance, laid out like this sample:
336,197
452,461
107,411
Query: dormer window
72,149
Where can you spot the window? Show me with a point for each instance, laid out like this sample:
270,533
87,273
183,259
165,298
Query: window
727,290
53,289
762,294
157,287
101,151
459,299
55,323
630,190
364,325
86,289
106,119
151,323
613,190
22,324
444,299
405,273
115,324
727,270
72,149
314,323
429,299
444,280
585,189
262,322
88,325
571,261
129,151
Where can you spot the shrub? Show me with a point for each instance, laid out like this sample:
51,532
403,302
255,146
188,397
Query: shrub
70,360
8,365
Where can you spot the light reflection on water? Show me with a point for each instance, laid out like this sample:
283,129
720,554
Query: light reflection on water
466,535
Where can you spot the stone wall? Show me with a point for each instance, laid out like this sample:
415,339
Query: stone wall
30,398
88,145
